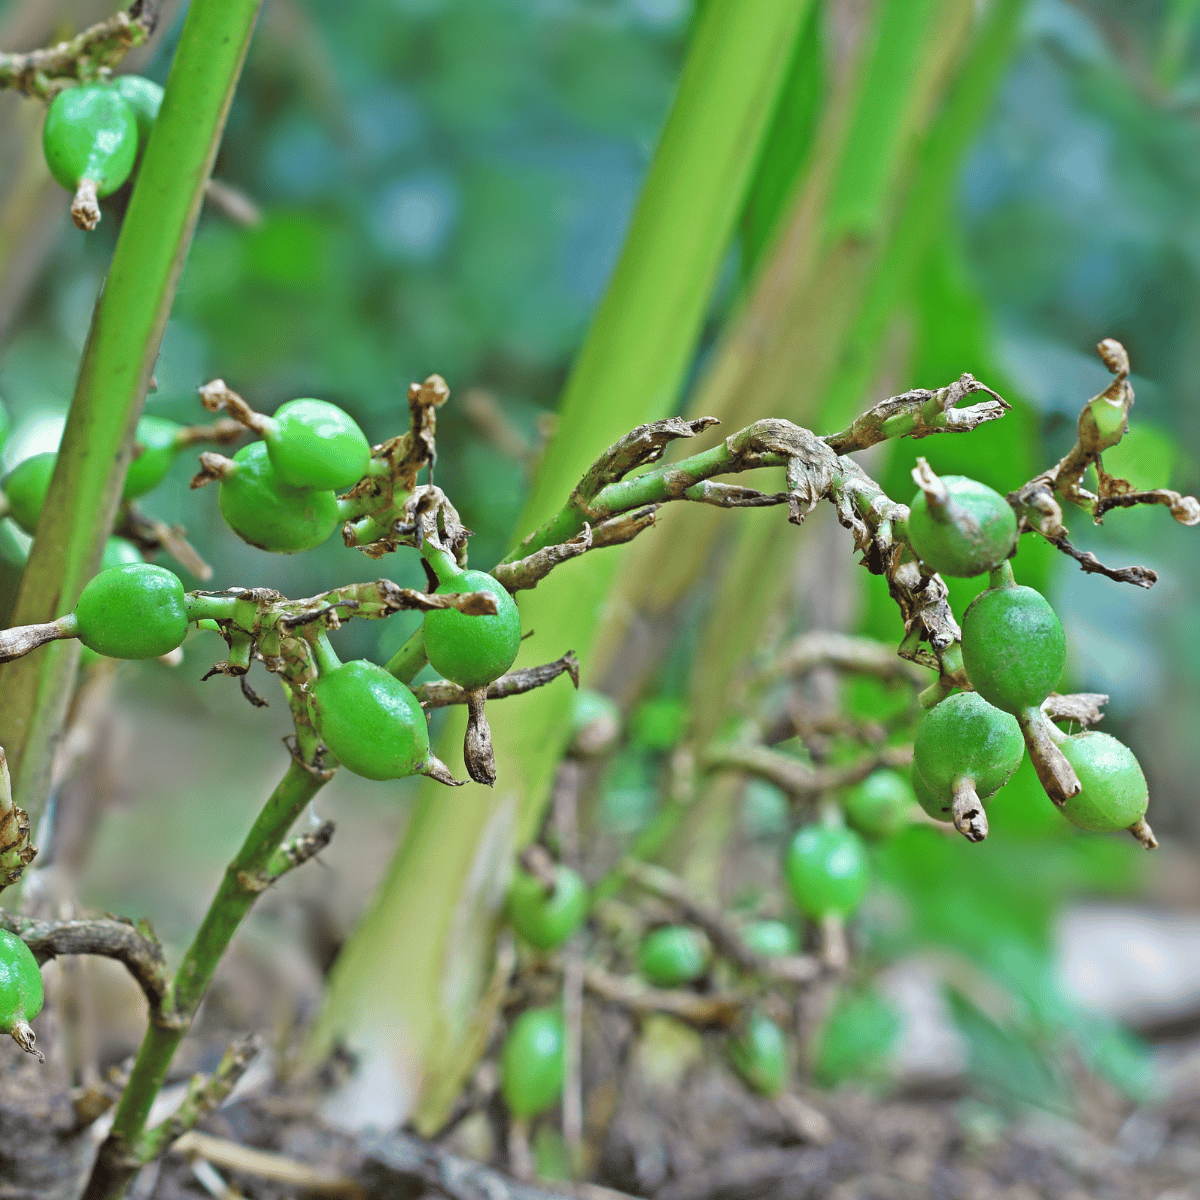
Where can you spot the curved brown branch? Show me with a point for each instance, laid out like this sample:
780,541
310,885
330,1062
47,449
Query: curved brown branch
133,946
45,73
797,778
440,692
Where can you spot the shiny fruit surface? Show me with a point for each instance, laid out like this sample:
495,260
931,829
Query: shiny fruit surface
315,444
21,994
133,611
270,514
90,133
154,450
26,486
532,1062
472,651
371,723
1114,793
952,550
547,919
673,955
879,806
760,1054
826,870
1013,647
964,737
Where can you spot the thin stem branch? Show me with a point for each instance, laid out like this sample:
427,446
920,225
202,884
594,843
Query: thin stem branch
44,73
243,882
134,947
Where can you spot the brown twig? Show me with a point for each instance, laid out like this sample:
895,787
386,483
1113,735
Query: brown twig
275,1168
400,1160
919,414
628,993
797,778
204,1095
135,947
439,693
44,73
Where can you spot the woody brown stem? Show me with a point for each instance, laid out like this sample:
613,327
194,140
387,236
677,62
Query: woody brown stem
1054,772
969,818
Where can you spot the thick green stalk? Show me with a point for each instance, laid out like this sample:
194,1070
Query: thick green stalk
118,361
242,884
407,981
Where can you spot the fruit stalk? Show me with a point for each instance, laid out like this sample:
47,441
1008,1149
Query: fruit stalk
118,360
244,880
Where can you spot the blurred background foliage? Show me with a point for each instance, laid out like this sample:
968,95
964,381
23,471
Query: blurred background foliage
444,186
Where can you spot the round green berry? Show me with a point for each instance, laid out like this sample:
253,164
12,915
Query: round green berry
90,133
938,809
879,806
21,994
965,738
771,939
144,98
1113,791
472,651
951,549
270,514
133,611
315,444
26,486
673,955
760,1054
370,722
547,919
1013,647
826,870
155,446
532,1062
120,552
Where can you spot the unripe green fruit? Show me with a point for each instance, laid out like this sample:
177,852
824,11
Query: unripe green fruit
90,133
939,810
879,806
21,994
371,723
144,98
26,486
964,737
1114,794
472,651
771,939
156,444
532,1062
119,552
760,1055
547,919
595,722
949,550
673,955
1013,647
315,444
134,611
826,870
270,514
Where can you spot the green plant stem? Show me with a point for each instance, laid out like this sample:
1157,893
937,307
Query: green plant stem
118,360
408,979
408,661
241,886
